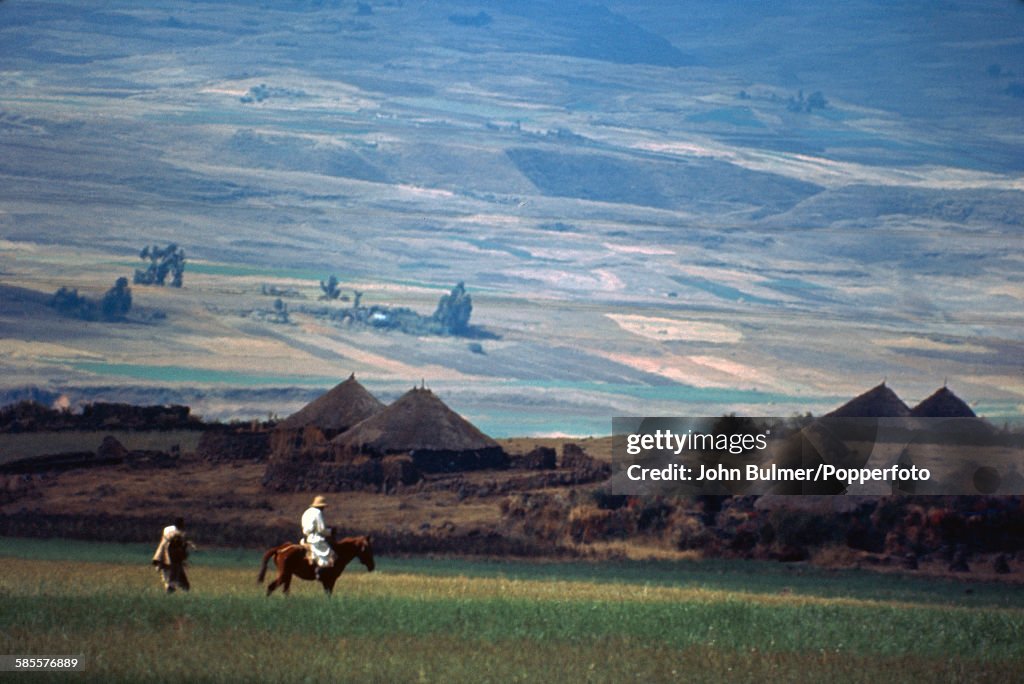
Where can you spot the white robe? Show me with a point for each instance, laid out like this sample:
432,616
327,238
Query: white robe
315,531
160,557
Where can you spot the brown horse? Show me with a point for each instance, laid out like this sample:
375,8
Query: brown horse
291,561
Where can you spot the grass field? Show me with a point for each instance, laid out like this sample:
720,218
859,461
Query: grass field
455,620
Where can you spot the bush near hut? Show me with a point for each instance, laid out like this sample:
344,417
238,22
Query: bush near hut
687,532
795,529
588,524
893,527
540,516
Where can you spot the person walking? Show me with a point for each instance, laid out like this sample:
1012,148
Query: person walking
170,556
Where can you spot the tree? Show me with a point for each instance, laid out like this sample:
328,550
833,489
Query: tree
280,311
117,302
330,288
815,100
162,261
454,309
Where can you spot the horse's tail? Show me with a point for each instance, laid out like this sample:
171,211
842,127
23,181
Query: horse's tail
266,559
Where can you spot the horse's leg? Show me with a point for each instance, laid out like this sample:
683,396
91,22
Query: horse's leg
280,576
285,578
282,573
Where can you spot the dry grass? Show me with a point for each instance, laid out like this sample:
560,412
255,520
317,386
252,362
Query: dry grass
198,488
599,448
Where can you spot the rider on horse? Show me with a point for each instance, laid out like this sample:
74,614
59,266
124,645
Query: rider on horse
317,535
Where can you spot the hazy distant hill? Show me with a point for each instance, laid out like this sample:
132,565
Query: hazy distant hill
658,207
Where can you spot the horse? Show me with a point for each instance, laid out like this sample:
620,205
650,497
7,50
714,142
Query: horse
291,560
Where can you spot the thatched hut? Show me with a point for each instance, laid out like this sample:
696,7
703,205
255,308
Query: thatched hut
437,438
330,414
943,404
335,411
877,402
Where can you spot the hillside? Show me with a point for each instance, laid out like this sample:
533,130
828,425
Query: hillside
657,208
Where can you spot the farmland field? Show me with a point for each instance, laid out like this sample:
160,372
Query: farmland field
454,620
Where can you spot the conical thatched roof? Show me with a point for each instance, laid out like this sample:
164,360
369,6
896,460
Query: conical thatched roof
943,404
877,402
337,410
417,421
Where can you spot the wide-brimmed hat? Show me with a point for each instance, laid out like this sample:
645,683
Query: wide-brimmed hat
319,502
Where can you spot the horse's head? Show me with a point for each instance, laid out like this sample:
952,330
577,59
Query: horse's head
364,551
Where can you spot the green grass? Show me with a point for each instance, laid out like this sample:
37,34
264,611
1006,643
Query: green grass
451,620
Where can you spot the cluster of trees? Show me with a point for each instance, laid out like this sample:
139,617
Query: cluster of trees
114,306
262,92
117,301
815,100
451,317
332,291
256,94
169,260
